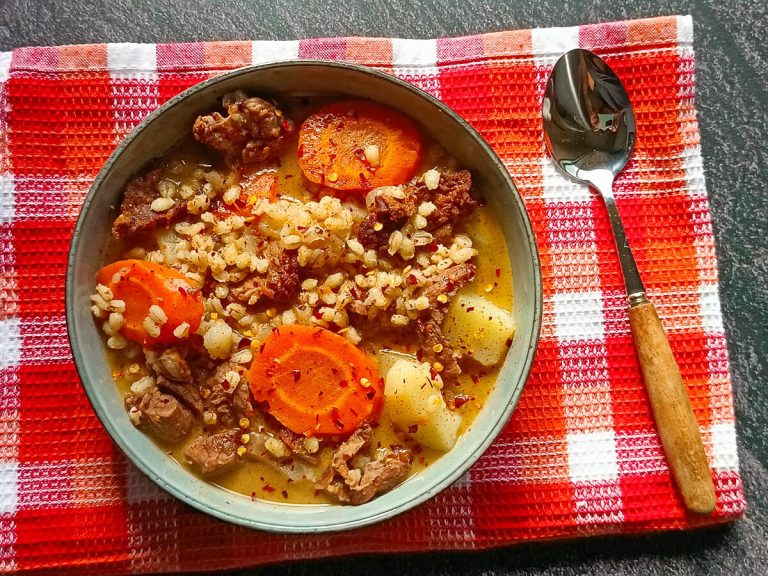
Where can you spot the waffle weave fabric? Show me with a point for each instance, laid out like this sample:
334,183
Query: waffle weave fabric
580,455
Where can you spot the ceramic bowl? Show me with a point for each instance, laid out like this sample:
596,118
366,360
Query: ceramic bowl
172,122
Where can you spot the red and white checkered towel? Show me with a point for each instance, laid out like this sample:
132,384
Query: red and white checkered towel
580,454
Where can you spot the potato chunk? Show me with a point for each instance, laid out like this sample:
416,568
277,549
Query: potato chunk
387,359
479,329
415,404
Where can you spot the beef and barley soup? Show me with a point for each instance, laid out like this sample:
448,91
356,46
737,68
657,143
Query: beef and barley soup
305,303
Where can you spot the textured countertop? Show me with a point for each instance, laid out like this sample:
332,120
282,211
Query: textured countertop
732,100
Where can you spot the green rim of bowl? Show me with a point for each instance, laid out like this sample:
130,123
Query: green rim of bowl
277,521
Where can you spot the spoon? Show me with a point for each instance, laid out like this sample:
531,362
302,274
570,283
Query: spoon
589,129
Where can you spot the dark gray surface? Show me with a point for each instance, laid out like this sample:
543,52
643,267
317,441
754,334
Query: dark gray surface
732,61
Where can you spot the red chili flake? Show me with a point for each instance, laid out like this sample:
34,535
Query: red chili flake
370,394
411,279
284,493
419,354
470,308
182,291
413,428
317,334
335,370
300,150
343,383
319,394
475,378
261,348
422,460
508,342
286,125
433,373
253,496
498,272
288,176
459,400
268,488
360,154
296,375
433,246
336,418
225,383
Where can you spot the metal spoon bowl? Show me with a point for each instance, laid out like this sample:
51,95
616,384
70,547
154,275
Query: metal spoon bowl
589,130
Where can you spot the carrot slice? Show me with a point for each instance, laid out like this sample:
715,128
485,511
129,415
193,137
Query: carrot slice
140,284
256,187
315,382
333,141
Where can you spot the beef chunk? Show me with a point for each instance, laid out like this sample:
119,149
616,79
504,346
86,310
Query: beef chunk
280,284
381,475
252,131
429,328
187,392
295,443
392,206
173,375
136,214
348,450
357,485
229,403
162,414
215,453
170,364
432,338
449,281
451,199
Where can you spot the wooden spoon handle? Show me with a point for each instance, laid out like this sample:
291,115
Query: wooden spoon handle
672,410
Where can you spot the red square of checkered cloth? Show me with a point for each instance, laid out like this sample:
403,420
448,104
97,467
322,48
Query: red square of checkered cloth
580,454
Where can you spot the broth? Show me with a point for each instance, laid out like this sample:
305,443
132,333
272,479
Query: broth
492,281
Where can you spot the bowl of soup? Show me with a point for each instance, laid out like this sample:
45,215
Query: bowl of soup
303,296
